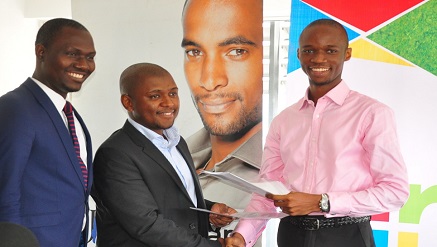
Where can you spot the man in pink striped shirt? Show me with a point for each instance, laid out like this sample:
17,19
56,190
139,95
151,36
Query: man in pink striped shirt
336,150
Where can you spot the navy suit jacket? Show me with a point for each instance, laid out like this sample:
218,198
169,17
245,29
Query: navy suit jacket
140,198
41,184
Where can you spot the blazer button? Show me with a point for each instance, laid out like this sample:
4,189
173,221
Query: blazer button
192,226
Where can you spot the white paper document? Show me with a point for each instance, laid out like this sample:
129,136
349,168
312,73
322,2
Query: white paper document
247,215
261,188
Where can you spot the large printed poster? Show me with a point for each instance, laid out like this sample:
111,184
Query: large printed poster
393,60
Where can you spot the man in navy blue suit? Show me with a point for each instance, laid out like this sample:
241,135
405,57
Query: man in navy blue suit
42,185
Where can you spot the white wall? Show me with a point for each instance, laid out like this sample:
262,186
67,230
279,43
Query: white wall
16,44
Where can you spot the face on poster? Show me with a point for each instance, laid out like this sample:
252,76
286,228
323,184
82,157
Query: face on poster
223,52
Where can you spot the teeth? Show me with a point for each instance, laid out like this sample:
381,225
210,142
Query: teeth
320,69
79,76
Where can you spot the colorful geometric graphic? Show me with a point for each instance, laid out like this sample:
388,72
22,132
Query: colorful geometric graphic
413,36
381,238
364,49
376,11
408,239
408,39
381,217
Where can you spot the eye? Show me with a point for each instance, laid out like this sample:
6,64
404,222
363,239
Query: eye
308,51
331,51
90,57
173,94
193,53
71,54
237,52
154,96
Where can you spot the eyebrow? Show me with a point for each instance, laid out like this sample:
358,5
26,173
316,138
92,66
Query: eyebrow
237,40
326,46
186,42
160,90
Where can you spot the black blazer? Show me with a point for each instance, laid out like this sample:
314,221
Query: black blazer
140,199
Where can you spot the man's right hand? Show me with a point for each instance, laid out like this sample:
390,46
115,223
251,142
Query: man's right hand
237,240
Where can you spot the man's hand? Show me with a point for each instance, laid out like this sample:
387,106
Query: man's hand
237,240
222,242
297,203
221,221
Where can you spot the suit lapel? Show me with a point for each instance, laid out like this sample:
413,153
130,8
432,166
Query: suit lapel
189,160
59,124
154,153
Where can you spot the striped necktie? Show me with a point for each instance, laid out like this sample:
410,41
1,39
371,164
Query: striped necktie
68,110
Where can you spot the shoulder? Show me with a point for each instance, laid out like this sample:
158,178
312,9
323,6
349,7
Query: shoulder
183,145
117,138
366,104
18,108
287,114
199,141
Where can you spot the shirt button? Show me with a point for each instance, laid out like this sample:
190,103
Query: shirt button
192,226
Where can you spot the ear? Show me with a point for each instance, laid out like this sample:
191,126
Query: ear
348,54
40,51
297,52
126,101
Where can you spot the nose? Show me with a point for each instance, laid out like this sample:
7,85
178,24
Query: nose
169,101
318,57
83,63
213,74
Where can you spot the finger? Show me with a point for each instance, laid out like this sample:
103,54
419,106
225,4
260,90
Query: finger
231,210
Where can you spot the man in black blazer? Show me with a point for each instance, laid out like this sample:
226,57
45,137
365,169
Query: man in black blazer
145,182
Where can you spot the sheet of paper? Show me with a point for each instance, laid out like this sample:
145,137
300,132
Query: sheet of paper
247,215
261,188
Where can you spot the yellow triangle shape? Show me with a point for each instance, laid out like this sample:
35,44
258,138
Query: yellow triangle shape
366,50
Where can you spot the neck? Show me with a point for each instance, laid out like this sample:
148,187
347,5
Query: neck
318,91
223,146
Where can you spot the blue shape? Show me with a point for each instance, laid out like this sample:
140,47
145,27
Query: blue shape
302,15
94,231
381,238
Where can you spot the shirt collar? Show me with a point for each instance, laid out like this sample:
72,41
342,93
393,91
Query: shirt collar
57,99
172,135
338,95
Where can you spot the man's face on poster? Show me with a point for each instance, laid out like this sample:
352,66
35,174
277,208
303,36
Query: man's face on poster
223,62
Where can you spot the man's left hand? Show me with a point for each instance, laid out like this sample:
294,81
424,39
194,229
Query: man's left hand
218,220
297,203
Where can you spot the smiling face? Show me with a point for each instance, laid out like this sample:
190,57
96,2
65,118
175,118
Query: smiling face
223,62
65,63
152,100
323,49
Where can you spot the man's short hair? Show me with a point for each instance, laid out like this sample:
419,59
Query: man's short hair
51,28
328,22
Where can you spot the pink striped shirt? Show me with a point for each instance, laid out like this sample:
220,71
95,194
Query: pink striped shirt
346,146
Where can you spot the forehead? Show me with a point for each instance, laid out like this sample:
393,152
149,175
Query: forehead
222,19
76,38
323,34
147,83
